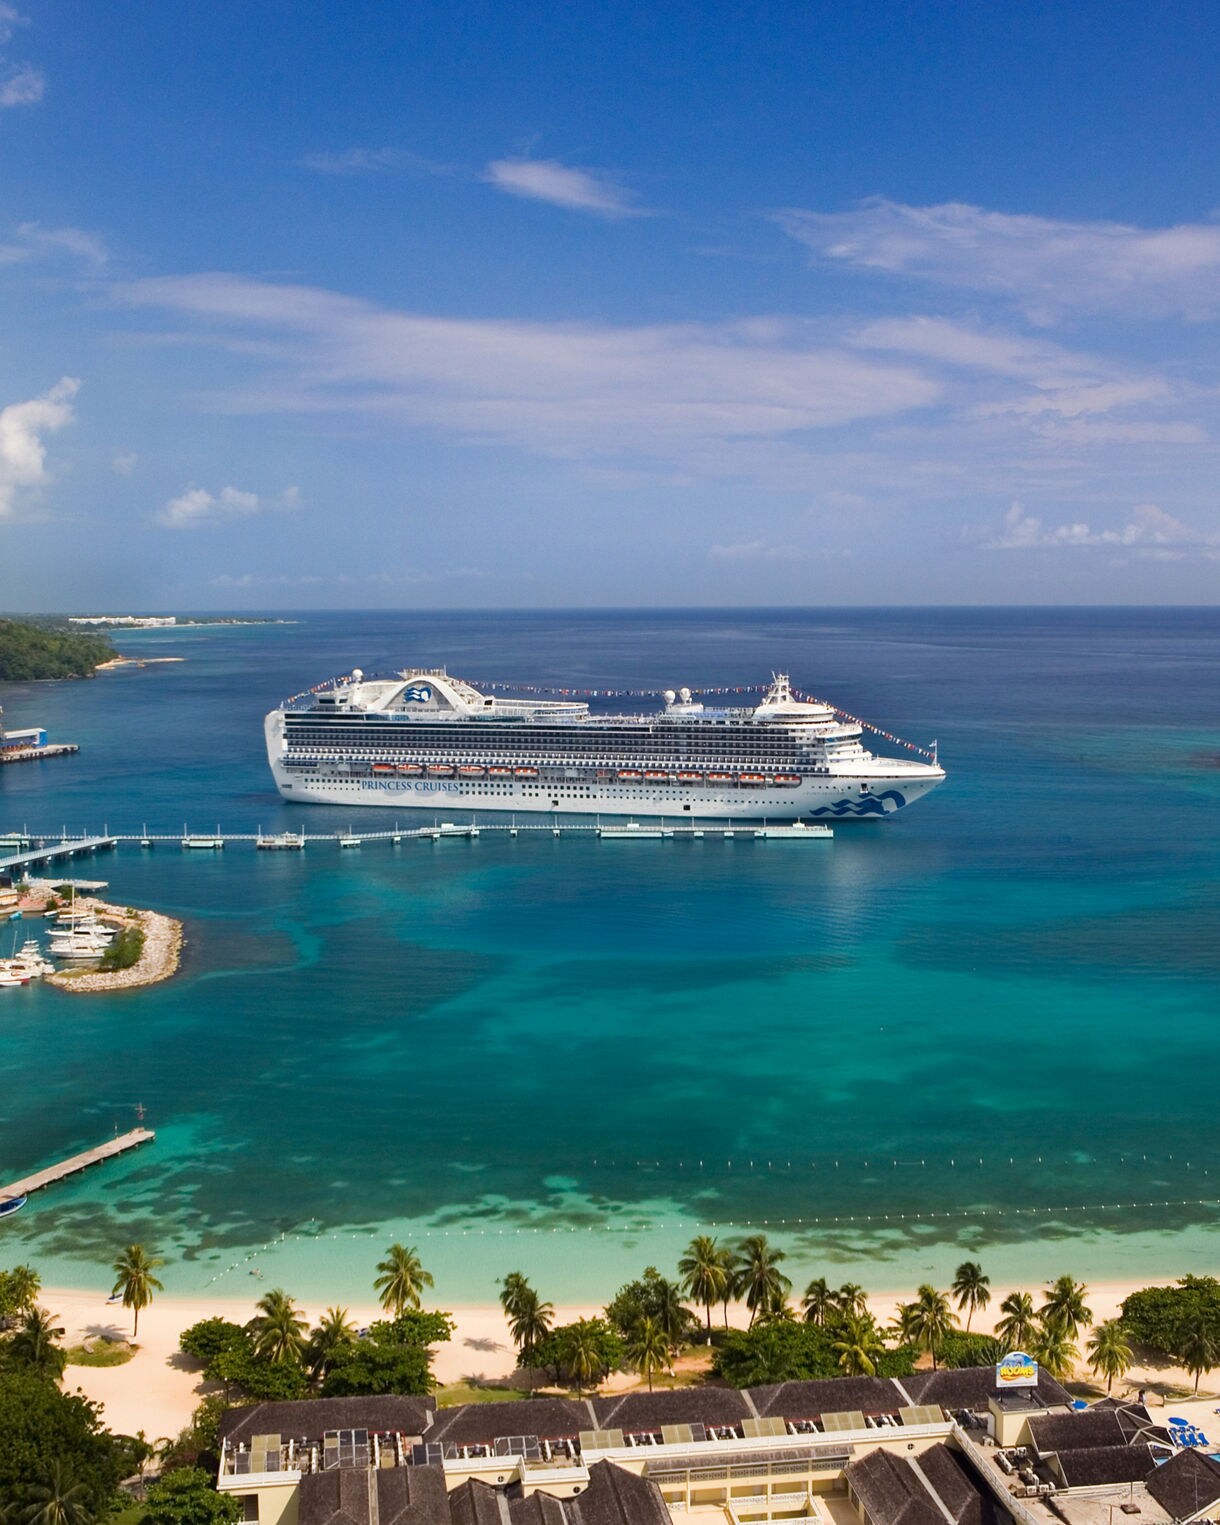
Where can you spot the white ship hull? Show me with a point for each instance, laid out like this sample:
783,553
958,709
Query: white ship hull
826,799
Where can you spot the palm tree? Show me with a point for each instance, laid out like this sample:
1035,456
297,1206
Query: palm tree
858,1346
135,1280
1109,1352
60,1500
760,1281
24,1285
1054,1349
703,1274
279,1329
512,1289
906,1317
1020,1323
402,1279
581,1353
648,1348
852,1299
731,1267
1063,1304
818,1301
334,1332
673,1318
36,1343
971,1289
1197,1346
530,1322
931,1319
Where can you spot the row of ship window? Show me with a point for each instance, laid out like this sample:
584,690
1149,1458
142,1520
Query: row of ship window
467,772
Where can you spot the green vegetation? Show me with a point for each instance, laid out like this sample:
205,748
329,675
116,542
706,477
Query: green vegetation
927,1322
19,1289
53,1445
1169,1319
782,1350
187,1497
971,1350
1109,1353
33,651
101,1353
529,1319
124,950
971,1289
651,1297
583,1353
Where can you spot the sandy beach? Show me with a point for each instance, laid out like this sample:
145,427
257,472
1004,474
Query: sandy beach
158,1389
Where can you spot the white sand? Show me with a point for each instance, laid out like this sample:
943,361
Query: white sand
158,1389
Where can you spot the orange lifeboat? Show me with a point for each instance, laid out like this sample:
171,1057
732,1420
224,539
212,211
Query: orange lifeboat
471,770
441,770
690,778
384,768
630,775
412,768
500,772
526,772
752,778
789,780
720,778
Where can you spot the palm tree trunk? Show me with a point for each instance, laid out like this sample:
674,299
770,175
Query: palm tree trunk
708,1310
136,1330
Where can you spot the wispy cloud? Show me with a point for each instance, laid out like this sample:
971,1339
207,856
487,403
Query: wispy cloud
32,241
580,190
197,506
1050,267
577,390
124,462
20,84
23,452
243,580
1148,530
370,161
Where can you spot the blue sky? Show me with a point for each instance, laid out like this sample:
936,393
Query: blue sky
439,305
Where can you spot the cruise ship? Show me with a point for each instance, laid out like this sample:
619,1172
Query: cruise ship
425,739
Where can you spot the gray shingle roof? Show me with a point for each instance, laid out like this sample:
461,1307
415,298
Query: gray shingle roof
951,1483
835,1395
889,1491
412,1496
969,1387
335,1498
1187,1483
473,1424
1105,1464
312,1417
617,1497
1075,1432
636,1412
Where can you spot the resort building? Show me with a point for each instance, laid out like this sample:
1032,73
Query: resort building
938,1448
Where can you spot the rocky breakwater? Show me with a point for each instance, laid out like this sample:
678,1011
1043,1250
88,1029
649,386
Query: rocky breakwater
159,956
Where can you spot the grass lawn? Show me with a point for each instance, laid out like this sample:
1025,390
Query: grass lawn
104,1353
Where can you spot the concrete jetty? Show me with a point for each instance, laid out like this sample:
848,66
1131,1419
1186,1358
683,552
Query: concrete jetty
78,1162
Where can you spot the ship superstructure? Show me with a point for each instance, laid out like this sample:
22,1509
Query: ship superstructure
425,739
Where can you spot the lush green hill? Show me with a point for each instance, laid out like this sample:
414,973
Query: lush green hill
35,651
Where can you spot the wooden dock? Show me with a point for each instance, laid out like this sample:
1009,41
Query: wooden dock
107,1151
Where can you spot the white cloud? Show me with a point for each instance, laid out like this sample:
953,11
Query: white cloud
32,241
1049,266
577,390
748,550
125,462
255,580
547,180
1149,530
197,506
10,19
371,161
21,85
23,453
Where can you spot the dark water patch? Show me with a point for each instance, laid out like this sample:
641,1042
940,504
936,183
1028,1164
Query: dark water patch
1179,941
675,977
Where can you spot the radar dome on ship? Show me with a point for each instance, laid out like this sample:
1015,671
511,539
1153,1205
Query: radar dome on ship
684,695
357,675
669,696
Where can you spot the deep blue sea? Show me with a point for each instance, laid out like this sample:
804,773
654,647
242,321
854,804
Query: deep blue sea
989,1024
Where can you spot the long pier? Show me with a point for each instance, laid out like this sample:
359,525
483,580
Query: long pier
49,850
616,827
78,1162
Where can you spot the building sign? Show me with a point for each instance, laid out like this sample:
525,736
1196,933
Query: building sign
1016,1370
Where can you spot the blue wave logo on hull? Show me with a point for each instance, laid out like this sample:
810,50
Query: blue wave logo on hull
871,804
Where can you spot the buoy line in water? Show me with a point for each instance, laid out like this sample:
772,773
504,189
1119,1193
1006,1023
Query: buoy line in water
650,1226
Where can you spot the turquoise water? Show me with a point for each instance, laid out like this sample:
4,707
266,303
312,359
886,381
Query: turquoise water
988,1024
